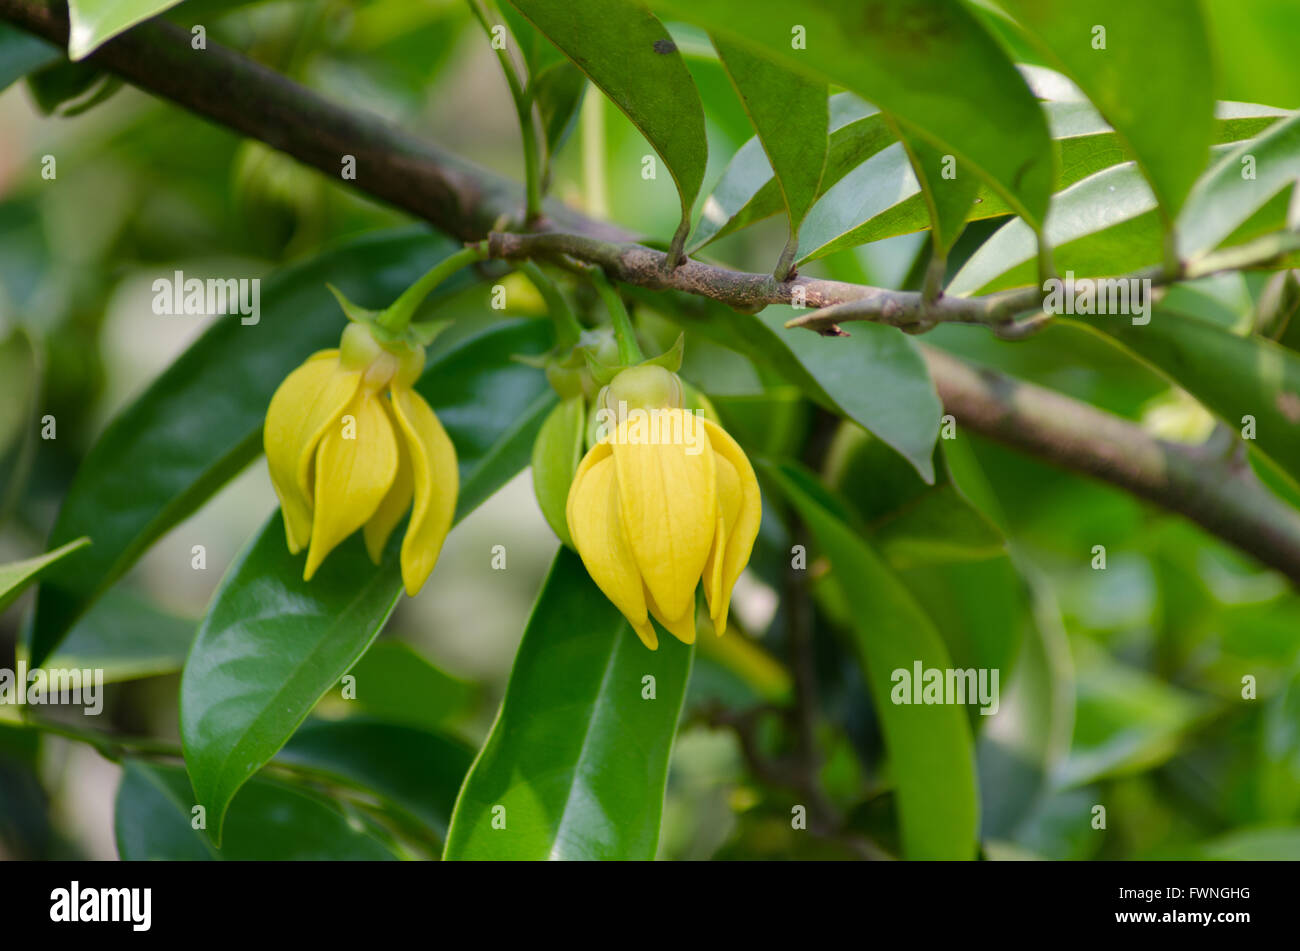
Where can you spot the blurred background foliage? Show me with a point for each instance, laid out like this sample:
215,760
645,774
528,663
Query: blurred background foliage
1122,687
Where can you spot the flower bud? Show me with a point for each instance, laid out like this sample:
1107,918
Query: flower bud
644,387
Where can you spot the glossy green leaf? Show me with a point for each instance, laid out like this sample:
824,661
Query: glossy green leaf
21,53
200,421
878,379
748,191
772,423
17,575
1239,183
881,197
126,637
556,455
558,92
395,683
273,644
931,753
539,53
67,89
577,761
791,118
930,63
1232,376
629,55
949,191
271,821
909,522
1254,52
1107,217
1106,224
415,770
1158,94
94,22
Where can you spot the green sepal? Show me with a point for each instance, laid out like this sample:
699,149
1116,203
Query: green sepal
601,373
670,360
426,331
556,455
354,312
415,335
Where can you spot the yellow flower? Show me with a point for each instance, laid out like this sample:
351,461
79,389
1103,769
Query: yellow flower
663,500
351,445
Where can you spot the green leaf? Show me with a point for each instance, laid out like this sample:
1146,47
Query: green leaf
68,89
876,377
930,63
628,54
881,197
1105,224
1147,68
1232,376
395,683
558,92
94,22
538,52
273,644
1225,198
200,421
17,575
909,522
22,53
949,191
271,821
791,116
577,761
556,455
932,759
415,770
127,637
748,191
1255,54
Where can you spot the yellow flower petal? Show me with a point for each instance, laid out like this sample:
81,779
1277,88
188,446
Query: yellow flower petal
741,515
398,499
309,399
356,463
729,500
713,567
597,453
436,482
597,531
667,490
682,628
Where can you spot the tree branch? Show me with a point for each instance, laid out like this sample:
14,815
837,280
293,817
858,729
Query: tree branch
1219,493
468,202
